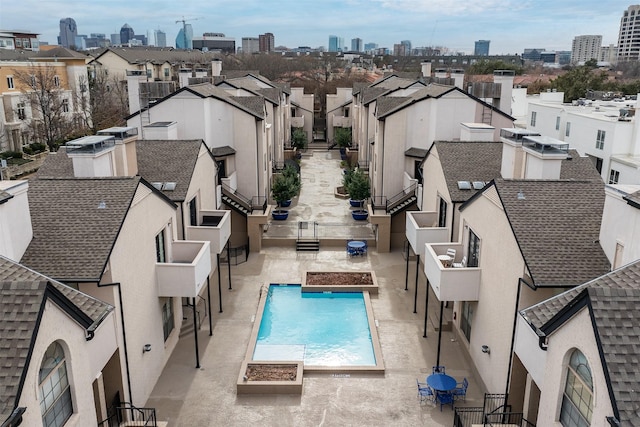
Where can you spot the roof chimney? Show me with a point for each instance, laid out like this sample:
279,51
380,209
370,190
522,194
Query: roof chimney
164,131
513,156
134,77
16,231
216,67
458,77
543,157
126,159
92,156
183,76
426,69
505,79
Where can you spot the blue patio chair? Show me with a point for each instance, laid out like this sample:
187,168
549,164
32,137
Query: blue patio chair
438,370
461,390
424,392
445,398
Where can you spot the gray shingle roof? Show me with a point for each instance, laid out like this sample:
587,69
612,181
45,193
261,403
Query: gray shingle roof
255,104
56,165
615,303
222,151
370,94
22,293
633,199
168,161
557,226
431,91
141,55
389,103
208,90
579,168
468,161
72,234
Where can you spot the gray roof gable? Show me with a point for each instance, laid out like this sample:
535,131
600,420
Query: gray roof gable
76,222
23,293
557,227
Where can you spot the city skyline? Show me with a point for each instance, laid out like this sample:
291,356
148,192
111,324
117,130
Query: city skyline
511,25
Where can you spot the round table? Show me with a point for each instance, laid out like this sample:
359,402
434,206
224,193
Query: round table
356,244
445,260
441,382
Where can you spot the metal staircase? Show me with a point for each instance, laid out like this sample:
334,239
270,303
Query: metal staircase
307,237
242,204
398,203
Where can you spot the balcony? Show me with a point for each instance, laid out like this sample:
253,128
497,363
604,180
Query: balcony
341,121
450,283
187,271
214,227
421,228
297,122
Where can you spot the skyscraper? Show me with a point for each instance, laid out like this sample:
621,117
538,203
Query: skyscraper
629,36
250,45
584,48
68,32
160,38
356,45
184,39
482,48
126,34
333,43
407,46
266,42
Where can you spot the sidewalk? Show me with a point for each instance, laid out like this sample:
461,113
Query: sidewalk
186,396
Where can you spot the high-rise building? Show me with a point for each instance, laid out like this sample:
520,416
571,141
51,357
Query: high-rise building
215,42
68,32
126,34
629,36
399,49
266,42
160,38
250,45
369,47
584,48
334,43
481,48
184,39
356,45
407,46
115,39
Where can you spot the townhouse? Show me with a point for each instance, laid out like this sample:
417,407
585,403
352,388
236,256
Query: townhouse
58,71
302,111
607,132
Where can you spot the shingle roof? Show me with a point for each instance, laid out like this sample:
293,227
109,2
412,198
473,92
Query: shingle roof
634,199
222,151
22,293
615,303
255,104
168,161
579,168
431,91
208,90
557,226
468,161
370,94
75,224
389,103
271,94
56,165
141,55
60,53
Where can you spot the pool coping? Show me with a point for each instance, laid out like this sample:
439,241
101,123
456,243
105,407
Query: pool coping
373,329
373,288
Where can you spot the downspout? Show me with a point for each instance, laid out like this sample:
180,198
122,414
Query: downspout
453,219
184,236
124,335
513,335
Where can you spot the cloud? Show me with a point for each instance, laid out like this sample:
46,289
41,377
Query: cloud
451,7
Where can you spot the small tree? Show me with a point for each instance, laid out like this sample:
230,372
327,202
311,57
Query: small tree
285,186
299,139
342,137
358,185
293,176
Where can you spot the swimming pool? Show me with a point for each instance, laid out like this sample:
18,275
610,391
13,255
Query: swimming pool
328,329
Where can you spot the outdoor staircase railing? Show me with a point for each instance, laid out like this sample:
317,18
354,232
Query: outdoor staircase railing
125,414
389,203
248,203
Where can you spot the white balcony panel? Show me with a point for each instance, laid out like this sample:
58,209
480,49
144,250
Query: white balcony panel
449,283
341,121
528,350
421,228
188,270
297,122
214,227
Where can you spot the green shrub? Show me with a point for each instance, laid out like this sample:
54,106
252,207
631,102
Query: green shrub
299,139
342,137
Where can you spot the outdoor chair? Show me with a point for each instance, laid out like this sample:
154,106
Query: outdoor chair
438,370
461,264
424,392
445,399
452,253
461,390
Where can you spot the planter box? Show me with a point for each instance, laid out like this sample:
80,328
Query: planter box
279,215
246,386
321,281
356,203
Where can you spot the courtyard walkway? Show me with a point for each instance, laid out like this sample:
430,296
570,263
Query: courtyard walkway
186,396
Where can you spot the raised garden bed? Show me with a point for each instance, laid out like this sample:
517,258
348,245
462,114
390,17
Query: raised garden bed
319,281
270,378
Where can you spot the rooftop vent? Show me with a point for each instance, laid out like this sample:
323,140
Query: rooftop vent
102,205
521,195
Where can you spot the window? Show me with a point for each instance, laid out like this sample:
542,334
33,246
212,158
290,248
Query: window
148,73
54,390
161,250
346,112
166,72
56,81
558,123
614,176
10,84
600,139
65,105
577,399
473,250
568,129
466,319
167,317
597,162
193,212
533,118
21,111
442,213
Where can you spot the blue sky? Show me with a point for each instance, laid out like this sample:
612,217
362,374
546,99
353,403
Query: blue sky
510,25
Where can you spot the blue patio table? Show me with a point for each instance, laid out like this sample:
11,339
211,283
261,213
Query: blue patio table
356,244
441,382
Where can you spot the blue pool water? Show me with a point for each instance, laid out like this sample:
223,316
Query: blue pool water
328,329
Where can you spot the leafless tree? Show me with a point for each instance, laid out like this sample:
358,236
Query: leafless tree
108,100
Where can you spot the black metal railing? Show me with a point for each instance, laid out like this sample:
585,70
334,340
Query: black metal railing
379,202
507,418
127,413
249,203
388,203
259,203
363,164
495,402
466,417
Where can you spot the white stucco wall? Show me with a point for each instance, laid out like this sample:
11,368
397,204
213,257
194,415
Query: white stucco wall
85,359
15,222
576,333
620,226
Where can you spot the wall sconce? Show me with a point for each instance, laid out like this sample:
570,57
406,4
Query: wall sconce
146,348
486,349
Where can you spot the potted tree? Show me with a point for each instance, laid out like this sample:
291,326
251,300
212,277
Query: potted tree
343,140
359,189
283,188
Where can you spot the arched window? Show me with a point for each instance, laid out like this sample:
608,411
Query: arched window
55,393
577,399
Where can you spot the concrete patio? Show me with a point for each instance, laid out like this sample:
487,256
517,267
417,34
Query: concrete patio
186,396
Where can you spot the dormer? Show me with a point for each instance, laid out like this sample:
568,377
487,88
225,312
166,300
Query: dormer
92,156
